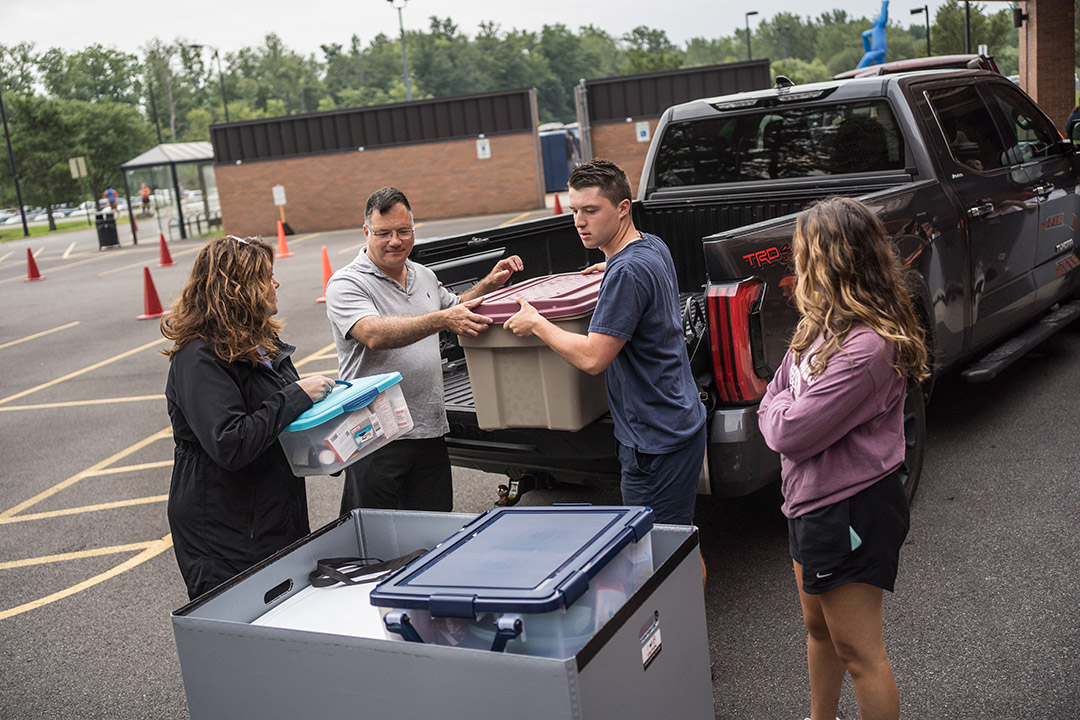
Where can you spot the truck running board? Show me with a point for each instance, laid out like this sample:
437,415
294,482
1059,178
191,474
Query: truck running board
1005,355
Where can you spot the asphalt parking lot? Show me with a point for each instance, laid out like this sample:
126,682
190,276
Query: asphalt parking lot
985,621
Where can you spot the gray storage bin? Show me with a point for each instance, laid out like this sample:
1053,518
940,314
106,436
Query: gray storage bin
650,660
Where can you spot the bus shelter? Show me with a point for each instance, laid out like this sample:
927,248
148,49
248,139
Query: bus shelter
183,192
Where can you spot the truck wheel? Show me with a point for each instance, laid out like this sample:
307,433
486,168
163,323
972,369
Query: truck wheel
914,440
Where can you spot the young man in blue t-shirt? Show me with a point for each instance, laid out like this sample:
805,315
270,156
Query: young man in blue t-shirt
636,336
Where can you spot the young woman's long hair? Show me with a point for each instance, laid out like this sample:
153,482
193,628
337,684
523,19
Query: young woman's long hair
228,301
850,274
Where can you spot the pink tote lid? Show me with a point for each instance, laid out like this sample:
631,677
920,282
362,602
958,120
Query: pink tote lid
555,296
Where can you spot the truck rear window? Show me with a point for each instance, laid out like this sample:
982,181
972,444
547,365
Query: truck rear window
780,143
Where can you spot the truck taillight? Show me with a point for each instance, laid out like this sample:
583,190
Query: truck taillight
730,308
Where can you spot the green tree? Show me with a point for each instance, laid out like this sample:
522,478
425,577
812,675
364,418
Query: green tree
704,51
443,61
800,71
108,135
18,68
94,74
42,131
785,35
948,32
599,44
649,50
166,84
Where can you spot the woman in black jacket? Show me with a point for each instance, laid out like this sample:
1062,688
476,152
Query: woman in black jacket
232,388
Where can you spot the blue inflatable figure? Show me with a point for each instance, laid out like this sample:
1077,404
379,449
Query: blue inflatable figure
873,40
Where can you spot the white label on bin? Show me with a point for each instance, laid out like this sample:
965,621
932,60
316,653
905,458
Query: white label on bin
341,440
385,413
650,647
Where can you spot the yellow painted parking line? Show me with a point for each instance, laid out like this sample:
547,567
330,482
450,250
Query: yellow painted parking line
62,557
84,508
95,366
313,373
40,250
129,468
89,472
68,251
297,239
145,263
513,220
320,354
53,269
155,549
5,255
43,333
80,403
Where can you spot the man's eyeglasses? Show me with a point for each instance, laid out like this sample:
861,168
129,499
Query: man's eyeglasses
403,233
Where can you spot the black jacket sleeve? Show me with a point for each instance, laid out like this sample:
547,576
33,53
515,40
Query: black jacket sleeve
210,394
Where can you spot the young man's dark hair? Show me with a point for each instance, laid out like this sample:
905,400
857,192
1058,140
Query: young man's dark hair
383,199
604,175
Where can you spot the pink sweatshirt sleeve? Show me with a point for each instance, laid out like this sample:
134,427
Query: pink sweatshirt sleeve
841,398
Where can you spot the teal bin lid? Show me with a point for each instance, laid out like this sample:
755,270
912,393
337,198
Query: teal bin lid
348,395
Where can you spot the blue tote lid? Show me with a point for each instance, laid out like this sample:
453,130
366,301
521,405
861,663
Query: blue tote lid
348,395
527,560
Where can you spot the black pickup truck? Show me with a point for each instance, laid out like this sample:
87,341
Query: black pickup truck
975,185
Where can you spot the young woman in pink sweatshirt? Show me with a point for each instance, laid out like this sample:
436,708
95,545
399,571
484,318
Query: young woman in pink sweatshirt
835,413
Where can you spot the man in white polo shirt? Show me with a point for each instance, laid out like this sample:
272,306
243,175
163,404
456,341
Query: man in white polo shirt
386,313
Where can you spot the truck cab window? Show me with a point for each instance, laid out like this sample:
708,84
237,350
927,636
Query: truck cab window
1027,133
968,128
781,143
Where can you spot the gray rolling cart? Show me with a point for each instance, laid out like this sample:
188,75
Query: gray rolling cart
650,660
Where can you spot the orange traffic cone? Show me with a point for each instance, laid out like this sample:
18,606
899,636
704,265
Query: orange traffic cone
166,258
326,273
558,206
32,273
282,246
151,302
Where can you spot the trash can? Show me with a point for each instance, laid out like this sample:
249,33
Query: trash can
106,230
649,660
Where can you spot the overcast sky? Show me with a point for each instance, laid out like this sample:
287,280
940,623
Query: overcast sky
304,26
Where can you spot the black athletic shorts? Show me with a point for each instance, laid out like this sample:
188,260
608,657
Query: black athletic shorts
875,520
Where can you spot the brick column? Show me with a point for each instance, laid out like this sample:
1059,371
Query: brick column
1047,56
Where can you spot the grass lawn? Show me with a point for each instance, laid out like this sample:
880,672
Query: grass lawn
15,232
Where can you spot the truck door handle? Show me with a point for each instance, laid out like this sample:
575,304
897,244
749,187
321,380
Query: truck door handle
1043,189
980,210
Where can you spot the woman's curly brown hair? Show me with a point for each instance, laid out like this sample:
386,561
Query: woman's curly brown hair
228,301
850,274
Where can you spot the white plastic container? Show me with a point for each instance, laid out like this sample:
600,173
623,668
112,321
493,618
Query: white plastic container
357,418
537,581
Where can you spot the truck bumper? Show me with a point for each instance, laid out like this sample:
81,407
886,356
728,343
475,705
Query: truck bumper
739,460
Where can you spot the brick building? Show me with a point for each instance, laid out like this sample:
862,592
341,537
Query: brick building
454,156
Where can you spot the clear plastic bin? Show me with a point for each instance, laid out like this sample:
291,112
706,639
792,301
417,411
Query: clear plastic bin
542,580
357,418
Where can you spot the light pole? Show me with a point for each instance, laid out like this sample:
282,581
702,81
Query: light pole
221,76
925,9
11,159
399,4
749,55
967,27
